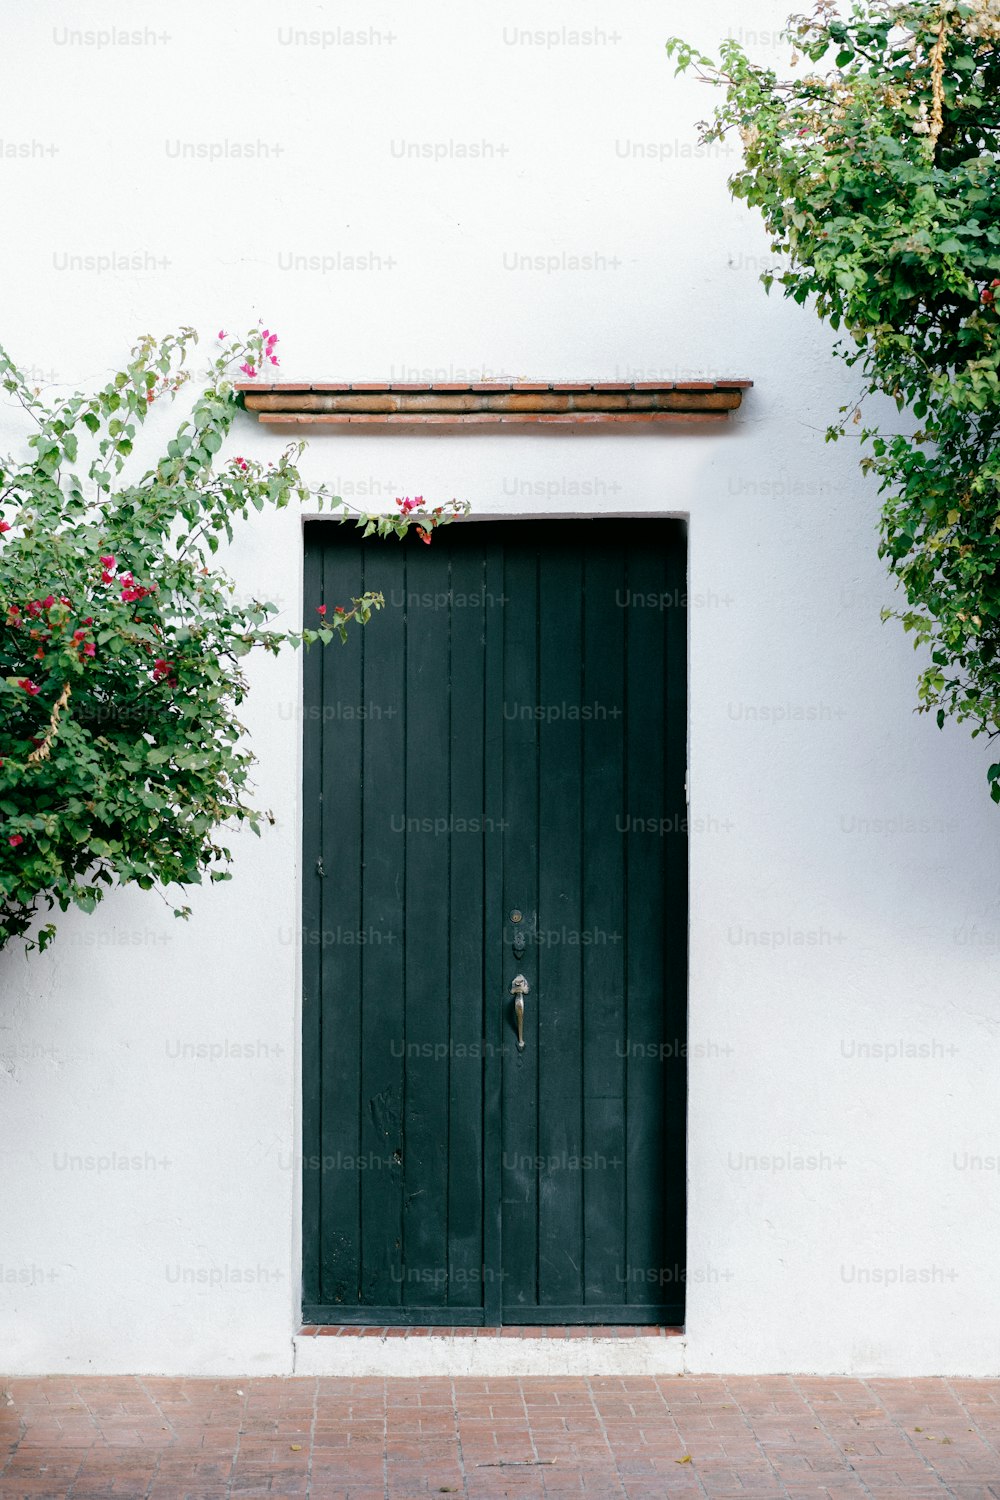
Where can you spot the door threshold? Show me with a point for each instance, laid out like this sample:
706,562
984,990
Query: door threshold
580,1350
507,1330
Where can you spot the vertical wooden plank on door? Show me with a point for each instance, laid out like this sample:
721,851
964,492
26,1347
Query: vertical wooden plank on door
341,855
380,1172
675,1020
603,951
467,809
647,920
557,997
425,847
519,1114
495,971
312,921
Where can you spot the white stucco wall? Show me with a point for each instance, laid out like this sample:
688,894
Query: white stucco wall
844,875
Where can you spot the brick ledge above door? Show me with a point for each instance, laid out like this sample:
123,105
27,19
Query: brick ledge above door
490,1352
367,404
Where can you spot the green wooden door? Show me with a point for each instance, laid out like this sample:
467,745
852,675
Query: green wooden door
494,789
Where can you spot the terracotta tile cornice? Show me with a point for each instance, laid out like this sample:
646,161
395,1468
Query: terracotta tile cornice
493,403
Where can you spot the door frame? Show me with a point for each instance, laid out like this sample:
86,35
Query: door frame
494,1017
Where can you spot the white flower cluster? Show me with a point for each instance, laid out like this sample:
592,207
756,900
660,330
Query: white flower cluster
984,23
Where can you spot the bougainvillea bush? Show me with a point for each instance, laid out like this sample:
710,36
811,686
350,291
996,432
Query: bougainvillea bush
122,645
875,169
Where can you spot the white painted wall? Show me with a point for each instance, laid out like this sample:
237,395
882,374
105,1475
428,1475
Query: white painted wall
844,887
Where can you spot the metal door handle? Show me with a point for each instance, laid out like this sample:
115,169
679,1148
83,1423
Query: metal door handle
519,988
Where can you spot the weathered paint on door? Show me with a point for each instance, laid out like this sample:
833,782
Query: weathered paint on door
505,740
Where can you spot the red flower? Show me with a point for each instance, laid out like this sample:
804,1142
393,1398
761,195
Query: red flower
4,526
339,609
321,609
132,591
28,685
90,650
14,840
424,536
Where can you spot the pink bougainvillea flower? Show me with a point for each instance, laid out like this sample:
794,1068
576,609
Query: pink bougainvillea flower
248,370
132,592
241,464
339,609
108,560
35,607
48,602
321,609
28,685
90,649
222,334
424,536
15,839
4,526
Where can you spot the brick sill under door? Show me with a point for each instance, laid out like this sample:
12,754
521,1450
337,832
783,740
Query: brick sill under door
351,1350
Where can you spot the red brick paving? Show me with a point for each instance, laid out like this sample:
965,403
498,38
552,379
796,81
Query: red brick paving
613,1438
